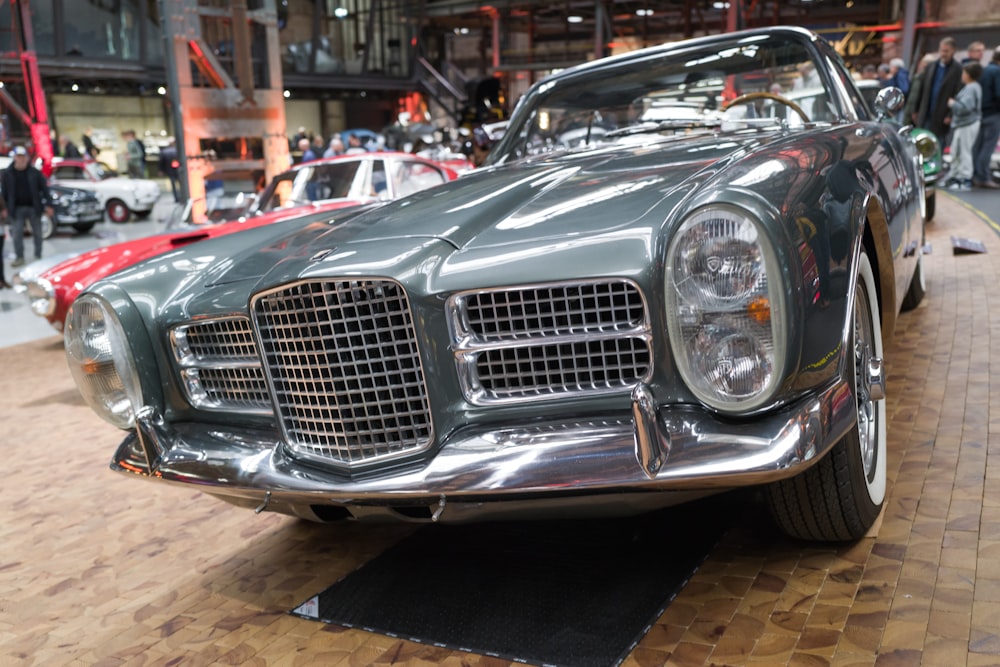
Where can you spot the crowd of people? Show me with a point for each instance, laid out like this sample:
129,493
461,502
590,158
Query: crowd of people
959,101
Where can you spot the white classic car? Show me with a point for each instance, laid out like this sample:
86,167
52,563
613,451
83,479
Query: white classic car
119,195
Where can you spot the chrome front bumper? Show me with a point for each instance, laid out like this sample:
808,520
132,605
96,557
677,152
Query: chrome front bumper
653,449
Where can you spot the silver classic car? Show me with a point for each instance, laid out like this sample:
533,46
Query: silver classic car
672,277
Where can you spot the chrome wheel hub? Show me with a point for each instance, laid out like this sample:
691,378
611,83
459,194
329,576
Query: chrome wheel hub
869,381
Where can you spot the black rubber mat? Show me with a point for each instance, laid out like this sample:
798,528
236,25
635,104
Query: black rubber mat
567,593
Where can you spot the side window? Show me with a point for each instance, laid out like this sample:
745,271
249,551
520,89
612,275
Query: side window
380,185
332,181
414,177
68,173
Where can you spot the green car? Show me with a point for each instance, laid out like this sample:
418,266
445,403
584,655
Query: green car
668,279
930,149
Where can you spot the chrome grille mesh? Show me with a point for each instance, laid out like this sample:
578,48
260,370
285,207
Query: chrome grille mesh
235,388
220,368
222,340
555,310
345,369
547,369
532,342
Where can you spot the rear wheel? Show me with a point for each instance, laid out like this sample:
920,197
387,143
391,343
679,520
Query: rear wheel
929,203
117,211
839,498
83,227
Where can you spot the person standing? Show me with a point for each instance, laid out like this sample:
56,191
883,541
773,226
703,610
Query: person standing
965,114
135,154
170,165
307,151
90,149
26,196
335,148
916,87
898,76
4,220
989,127
974,53
67,148
942,79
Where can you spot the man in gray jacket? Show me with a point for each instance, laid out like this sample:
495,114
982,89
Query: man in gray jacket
965,119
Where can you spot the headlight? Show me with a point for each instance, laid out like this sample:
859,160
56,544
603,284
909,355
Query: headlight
927,146
101,360
42,296
725,309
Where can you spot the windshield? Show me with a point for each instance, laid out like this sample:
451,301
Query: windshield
770,81
100,170
311,183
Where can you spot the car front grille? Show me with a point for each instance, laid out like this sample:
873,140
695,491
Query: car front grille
220,368
344,368
550,341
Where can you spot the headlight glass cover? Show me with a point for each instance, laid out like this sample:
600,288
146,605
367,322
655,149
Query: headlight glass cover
101,360
42,296
725,310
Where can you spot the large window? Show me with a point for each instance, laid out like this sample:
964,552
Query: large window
102,28
351,37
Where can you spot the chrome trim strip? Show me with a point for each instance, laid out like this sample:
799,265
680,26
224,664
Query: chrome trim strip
554,458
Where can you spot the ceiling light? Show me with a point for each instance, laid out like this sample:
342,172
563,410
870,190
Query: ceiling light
644,12
720,5
574,19
340,12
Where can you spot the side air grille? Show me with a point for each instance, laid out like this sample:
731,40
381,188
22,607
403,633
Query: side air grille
219,366
550,341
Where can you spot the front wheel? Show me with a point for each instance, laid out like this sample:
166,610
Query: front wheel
839,498
83,227
48,227
930,201
117,211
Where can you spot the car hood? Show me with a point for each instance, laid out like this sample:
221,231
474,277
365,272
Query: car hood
586,214
571,195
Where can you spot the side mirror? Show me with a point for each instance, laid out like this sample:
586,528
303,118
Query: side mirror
888,102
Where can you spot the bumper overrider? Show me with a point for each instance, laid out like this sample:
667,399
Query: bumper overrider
477,469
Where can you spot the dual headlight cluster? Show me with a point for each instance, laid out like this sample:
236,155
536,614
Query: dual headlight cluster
725,316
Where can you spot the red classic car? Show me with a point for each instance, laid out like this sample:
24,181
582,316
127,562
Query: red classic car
309,190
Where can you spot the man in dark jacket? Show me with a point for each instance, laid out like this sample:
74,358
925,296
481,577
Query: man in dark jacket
989,129
25,195
941,81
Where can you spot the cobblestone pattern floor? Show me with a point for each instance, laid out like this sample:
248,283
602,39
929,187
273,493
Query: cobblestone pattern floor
100,569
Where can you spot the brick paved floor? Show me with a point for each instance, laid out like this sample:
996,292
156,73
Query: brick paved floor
99,569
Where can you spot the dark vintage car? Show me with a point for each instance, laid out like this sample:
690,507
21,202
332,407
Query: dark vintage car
79,209
652,312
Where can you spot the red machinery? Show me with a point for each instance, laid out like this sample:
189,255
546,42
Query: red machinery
36,118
